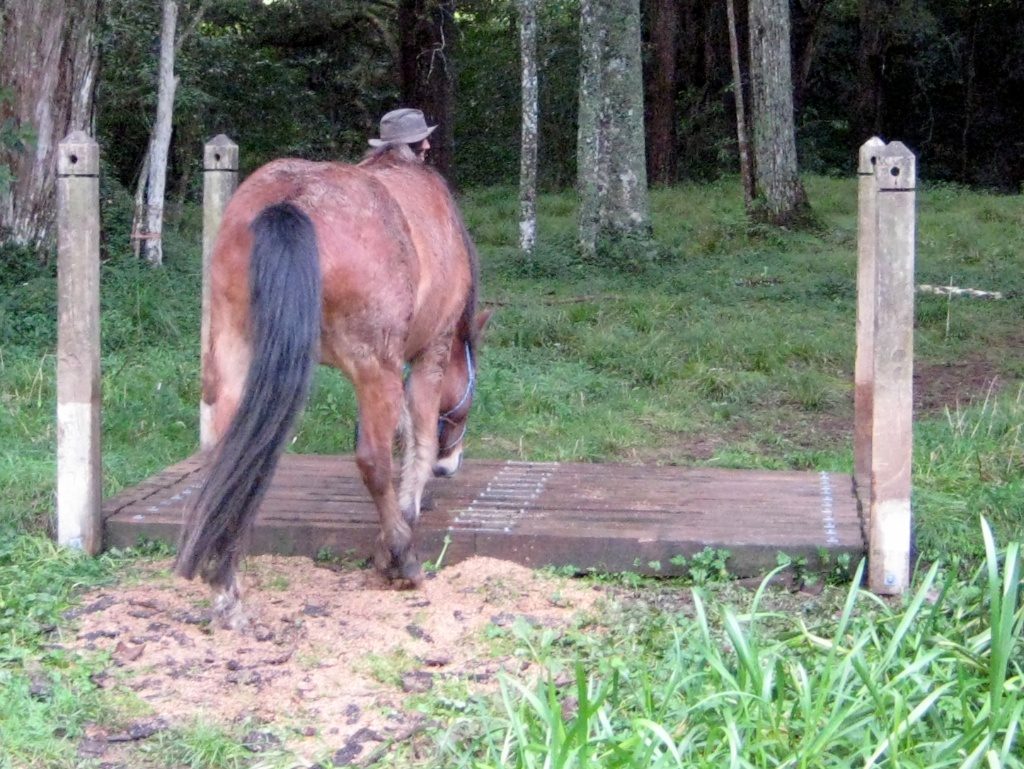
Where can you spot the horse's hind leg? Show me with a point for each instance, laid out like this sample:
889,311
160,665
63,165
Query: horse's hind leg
223,381
379,392
228,611
227,363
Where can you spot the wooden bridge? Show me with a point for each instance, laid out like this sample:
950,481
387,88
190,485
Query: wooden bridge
613,517
604,517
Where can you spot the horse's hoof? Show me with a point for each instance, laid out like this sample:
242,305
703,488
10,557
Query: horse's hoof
229,614
402,571
231,617
412,574
398,581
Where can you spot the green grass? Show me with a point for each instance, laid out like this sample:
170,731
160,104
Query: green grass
970,462
933,682
47,695
722,345
201,745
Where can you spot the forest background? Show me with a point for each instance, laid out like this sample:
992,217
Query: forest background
312,78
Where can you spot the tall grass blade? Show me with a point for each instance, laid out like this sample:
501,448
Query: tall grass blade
663,737
1005,620
746,651
912,718
1012,727
910,616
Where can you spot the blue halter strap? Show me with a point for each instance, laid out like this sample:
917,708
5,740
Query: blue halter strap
470,388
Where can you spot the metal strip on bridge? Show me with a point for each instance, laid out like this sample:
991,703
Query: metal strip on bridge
500,505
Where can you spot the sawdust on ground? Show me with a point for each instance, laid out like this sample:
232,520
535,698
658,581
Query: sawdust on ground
333,657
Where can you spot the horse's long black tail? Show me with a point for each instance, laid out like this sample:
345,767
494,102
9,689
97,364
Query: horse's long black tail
285,285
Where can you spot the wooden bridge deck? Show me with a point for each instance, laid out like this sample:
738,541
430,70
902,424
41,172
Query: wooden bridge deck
601,516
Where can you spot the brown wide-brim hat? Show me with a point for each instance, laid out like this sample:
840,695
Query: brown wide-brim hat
402,126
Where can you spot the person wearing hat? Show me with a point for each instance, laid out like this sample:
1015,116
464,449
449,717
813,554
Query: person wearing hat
405,127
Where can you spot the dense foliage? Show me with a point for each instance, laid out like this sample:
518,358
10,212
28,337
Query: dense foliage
951,76
311,77
305,79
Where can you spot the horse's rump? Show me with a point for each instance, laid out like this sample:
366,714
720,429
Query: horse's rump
396,272
393,252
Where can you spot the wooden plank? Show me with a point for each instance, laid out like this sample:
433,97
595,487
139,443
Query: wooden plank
302,473
287,499
775,537
345,466
589,516
179,474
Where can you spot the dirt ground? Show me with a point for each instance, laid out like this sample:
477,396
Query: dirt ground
332,662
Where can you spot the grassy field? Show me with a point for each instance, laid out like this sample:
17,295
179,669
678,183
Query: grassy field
702,683
718,345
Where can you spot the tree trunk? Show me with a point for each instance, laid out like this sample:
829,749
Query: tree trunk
528,151
49,63
591,166
781,199
626,204
611,169
970,95
427,71
139,215
160,142
870,107
807,31
746,170
663,84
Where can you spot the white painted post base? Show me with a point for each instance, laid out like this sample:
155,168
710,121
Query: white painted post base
79,487
79,465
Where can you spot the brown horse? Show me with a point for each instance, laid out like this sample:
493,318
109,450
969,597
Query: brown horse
366,268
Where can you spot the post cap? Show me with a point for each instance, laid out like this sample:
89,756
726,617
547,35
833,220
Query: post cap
895,167
220,154
868,154
78,155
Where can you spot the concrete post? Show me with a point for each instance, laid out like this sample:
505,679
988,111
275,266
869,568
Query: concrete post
863,372
79,465
220,177
893,367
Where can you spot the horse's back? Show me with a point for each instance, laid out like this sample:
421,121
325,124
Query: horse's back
391,246
320,190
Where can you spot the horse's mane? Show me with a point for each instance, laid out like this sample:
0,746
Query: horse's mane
467,324
394,152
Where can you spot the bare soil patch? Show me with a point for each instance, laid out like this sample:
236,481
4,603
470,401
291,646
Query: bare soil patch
938,386
334,658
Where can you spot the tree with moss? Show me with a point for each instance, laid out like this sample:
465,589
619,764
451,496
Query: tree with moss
780,198
48,68
611,169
